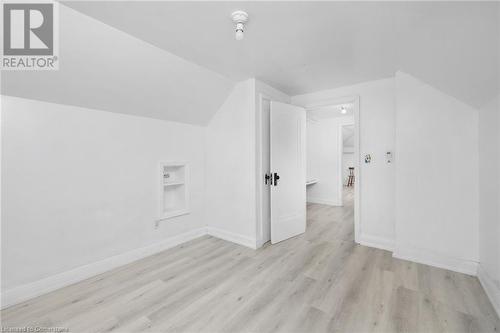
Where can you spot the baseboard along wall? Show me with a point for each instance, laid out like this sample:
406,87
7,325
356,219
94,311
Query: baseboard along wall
31,290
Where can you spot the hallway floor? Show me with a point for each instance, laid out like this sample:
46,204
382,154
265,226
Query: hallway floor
320,281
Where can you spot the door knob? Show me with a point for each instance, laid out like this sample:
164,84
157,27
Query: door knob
267,179
276,178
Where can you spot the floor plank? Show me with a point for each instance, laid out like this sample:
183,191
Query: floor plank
320,281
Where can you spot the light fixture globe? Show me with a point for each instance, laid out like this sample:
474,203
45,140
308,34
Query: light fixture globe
239,18
239,34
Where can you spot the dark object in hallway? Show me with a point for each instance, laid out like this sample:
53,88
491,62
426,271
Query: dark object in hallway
350,179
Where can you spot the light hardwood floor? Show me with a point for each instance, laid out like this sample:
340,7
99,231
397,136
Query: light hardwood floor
320,281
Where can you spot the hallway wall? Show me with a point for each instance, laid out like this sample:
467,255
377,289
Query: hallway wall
324,161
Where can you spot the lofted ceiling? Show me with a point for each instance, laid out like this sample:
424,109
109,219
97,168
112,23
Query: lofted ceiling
103,68
306,46
179,60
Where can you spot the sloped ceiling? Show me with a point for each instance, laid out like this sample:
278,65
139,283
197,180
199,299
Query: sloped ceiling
301,47
178,60
103,68
453,46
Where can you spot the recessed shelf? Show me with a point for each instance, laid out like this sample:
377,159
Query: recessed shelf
174,187
173,173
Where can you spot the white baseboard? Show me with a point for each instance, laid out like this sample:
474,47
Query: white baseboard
232,237
31,290
51,283
490,287
323,201
431,258
377,242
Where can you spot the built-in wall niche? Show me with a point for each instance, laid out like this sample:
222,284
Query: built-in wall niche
174,189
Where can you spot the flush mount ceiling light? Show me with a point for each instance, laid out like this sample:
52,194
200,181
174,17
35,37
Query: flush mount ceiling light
239,18
343,110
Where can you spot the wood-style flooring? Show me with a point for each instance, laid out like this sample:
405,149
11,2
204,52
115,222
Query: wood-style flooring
320,281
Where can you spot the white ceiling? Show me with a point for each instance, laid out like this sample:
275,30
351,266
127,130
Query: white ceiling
302,46
179,60
103,68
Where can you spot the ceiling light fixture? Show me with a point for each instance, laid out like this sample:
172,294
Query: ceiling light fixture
343,110
239,18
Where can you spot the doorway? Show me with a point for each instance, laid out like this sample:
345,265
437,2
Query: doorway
347,162
325,174
314,182
336,122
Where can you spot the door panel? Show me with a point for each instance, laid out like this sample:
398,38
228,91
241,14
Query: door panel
288,193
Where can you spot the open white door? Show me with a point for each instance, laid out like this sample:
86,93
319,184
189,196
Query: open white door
288,169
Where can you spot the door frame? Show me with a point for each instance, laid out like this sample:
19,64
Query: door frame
354,99
340,175
259,177
340,166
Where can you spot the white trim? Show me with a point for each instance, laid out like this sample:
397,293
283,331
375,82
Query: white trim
51,283
232,237
340,166
354,99
492,290
31,290
377,242
340,169
357,171
432,258
323,201
260,173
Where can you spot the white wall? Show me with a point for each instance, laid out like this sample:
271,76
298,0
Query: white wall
85,180
231,185
436,177
324,160
80,185
489,199
377,136
234,164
